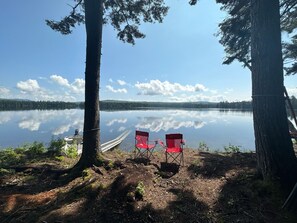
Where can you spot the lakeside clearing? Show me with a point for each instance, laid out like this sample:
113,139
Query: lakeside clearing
210,187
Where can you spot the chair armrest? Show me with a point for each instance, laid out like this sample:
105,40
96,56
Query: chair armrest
153,142
161,143
183,142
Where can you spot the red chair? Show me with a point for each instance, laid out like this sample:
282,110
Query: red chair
174,148
142,146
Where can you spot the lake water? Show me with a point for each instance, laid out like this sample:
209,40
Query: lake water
214,127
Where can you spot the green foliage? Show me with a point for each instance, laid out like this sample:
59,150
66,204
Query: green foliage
27,152
12,104
203,147
56,146
20,150
139,191
86,174
107,105
71,152
67,23
232,148
6,172
235,32
110,164
124,16
19,155
10,157
60,158
35,149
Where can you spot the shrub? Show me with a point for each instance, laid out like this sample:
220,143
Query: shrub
60,158
203,147
139,191
71,151
232,148
10,157
35,149
56,146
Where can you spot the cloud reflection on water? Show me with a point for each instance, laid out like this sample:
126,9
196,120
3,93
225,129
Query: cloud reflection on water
212,126
156,124
35,120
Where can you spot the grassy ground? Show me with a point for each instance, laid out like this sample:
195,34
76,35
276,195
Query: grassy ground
210,187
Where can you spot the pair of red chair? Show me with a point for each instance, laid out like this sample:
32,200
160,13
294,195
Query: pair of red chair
173,148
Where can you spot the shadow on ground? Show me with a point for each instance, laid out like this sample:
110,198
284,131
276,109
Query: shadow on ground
215,165
111,196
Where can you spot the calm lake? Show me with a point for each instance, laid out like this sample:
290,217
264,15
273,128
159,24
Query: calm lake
216,128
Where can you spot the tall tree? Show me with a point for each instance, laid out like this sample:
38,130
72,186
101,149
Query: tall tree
125,16
252,35
276,157
235,32
91,134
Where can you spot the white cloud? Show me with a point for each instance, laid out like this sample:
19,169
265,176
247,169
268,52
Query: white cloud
28,86
60,80
200,87
110,80
121,90
77,87
67,92
120,82
156,87
4,91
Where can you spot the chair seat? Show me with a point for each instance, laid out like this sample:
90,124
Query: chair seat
174,150
145,146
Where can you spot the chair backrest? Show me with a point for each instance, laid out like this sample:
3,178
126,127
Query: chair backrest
141,137
174,140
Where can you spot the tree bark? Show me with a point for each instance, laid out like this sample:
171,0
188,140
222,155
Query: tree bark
275,154
91,134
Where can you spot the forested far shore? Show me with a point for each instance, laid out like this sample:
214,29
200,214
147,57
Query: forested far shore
11,104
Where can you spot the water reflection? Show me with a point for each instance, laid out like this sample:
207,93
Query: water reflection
156,124
33,120
5,117
214,127
61,129
113,121
30,124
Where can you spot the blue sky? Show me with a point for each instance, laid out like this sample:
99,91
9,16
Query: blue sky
179,60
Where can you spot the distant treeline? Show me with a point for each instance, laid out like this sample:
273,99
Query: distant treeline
10,104
130,105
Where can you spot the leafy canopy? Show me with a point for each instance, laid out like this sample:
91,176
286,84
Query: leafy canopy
124,15
235,32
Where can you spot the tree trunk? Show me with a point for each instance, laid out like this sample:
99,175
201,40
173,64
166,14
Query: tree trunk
91,134
276,158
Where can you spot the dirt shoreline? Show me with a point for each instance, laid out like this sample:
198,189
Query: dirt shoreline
210,187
